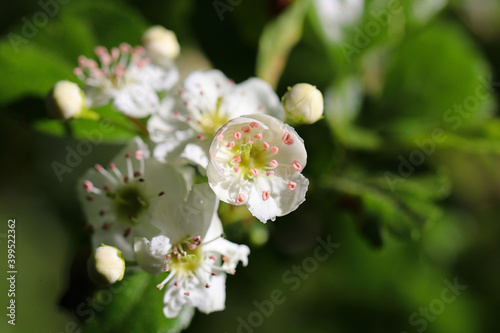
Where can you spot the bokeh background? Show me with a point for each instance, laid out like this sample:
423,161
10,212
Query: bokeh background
417,82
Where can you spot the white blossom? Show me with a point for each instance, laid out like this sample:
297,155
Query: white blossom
257,161
190,248
125,76
161,45
65,100
116,199
303,103
106,265
186,124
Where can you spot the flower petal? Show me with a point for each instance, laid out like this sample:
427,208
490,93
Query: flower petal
151,255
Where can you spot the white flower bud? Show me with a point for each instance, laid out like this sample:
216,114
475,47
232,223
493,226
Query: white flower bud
106,265
303,103
65,100
161,44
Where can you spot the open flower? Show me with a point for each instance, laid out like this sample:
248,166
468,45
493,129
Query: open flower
257,160
116,199
126,76
186,124
190,248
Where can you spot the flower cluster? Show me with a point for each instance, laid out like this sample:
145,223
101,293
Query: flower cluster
147,206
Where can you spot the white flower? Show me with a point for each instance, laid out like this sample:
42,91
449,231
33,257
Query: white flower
185,125
116,200
191,250
65,100
257,160
161,45
106,265
335,15
303,103
126,76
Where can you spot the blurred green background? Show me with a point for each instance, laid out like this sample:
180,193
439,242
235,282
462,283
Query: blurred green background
404,168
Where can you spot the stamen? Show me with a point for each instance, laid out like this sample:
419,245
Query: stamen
273,164
269,173
127,232
240,198
275,150
254,124
287,138
88,186
254,172
236,169
246,129
230,144
237,135
265,195
291,185
266,145
296,165
220,137
258,136
236,159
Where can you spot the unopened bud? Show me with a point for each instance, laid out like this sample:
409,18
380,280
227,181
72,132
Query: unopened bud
303,103
161,44
106,265
65,100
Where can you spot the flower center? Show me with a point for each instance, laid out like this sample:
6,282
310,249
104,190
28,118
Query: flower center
128,203
211,122
187,262
249,157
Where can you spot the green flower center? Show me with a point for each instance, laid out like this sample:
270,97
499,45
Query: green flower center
188,263
129,203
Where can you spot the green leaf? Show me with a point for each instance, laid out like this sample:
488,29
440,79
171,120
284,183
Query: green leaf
436,79
32,70
277,40
113,127
111,22
136,306
403,210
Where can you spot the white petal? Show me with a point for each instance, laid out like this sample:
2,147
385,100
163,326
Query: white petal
178,219
173,301
197,153
253,96
226,188
211,299
234,252
151,255
213,84
281,201
137,101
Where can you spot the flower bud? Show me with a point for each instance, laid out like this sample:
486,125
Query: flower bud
303,103
65,100
106,265
161,44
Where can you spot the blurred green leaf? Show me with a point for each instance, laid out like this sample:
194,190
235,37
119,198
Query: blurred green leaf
111,22
136,306
277,39
343,103
112,127
403,209
429,78
30,71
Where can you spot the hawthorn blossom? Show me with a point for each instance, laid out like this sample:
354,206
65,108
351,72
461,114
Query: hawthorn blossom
191,250
126,76
257,161
116,199
185,125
